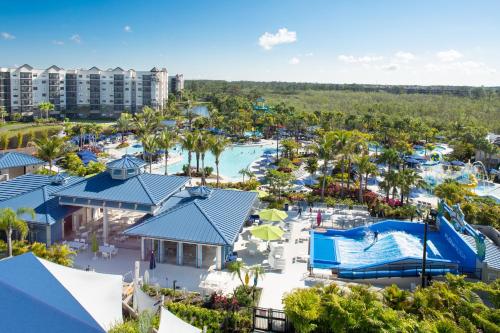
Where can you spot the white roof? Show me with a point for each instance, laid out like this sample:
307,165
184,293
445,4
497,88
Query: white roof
170,323
100,294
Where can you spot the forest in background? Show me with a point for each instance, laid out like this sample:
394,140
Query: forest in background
440,105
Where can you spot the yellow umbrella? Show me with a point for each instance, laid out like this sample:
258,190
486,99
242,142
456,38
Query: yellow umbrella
262,194
273,215
267,232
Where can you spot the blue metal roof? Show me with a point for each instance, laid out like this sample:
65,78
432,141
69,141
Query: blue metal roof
22,184
215,220
126,162
34,300
14,159
47,208
145,189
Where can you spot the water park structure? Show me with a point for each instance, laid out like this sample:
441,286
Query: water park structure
395,249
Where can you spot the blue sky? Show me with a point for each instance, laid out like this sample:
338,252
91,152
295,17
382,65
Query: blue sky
384,41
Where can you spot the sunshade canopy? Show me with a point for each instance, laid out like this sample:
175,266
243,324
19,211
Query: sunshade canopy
273,215
267,232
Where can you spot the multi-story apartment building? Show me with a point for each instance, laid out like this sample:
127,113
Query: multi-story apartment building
176,83
92,93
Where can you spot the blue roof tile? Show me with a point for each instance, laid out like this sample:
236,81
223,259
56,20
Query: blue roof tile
146,189
126,162
216,219
22,184
47,208
14,159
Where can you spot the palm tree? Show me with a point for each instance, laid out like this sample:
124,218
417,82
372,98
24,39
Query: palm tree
188,143
364,165
150,145
343,147
390,157
3,113
48,149
323,148
257,272
167,140
217,146
201,147
46,107
243,172
237,268
123,124
11,220
407,179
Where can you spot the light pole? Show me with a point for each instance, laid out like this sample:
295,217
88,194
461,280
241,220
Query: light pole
424,255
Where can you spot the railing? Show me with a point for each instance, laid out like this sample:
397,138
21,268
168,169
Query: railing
270,320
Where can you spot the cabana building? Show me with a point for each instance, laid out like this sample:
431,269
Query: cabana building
195,226
14,164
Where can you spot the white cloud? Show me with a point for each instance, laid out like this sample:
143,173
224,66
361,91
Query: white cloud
57,42
268,40
390,67
7,36
468,67
294,61
404,56
127,28
449,55
76,38
359,60
309,54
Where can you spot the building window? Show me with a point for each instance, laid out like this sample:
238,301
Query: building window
35,88
44,95
43,82
62,88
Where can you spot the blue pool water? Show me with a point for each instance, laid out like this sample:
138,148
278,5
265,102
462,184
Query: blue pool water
398,243
232,160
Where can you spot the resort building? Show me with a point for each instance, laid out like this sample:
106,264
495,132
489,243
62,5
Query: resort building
84,93
13,164
176,83
195,226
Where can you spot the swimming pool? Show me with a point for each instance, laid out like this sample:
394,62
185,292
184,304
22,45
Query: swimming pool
395,251
232,160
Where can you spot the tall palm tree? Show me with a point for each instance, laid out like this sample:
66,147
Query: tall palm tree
123,124
408,178
343,147
217,146
167,140
11,220
46,107
237,268
323,149
364,165
3,113
188,143
391,158
48,149
150,145
201,148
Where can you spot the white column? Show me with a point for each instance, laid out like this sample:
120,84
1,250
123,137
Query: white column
162,251
180,254
49,235
142,248
219,257
105,225
199,255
